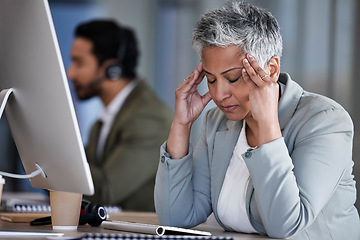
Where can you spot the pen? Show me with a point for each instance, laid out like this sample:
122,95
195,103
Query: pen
41,221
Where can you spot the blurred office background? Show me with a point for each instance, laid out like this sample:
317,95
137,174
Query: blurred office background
320,51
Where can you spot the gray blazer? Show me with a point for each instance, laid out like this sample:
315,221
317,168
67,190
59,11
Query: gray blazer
301,185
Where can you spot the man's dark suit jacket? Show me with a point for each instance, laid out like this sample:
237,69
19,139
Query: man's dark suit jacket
125,174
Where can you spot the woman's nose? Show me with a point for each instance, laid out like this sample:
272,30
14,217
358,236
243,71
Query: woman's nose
222,91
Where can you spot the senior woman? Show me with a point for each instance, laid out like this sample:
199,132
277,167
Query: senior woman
271,158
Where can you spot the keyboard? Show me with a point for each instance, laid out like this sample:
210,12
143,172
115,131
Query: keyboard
119,236
45,208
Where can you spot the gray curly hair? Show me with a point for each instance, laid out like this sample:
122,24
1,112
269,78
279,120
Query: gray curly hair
251,28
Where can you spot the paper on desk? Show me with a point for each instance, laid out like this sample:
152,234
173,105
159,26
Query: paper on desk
21,217
30,234
151,229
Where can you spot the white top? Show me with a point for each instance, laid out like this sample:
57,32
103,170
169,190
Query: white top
232,200
109,113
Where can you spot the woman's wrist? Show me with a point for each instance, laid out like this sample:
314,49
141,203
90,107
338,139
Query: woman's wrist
178,142
269,131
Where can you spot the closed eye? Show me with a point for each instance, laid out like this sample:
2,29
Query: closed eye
233,81
211,81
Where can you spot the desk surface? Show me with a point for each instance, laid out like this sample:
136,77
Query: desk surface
141,217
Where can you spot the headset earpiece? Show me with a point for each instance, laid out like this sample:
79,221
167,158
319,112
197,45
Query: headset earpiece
114,71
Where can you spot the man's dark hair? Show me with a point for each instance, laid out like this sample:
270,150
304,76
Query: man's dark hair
108,38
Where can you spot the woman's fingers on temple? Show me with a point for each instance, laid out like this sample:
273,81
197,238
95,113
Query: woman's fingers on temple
258,70
191,82
190,77
247,79
255,72
199,73
255,65
250,72
200,77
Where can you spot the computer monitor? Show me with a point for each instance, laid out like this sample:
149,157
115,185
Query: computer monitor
40,110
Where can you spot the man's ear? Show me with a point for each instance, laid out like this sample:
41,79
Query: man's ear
274,68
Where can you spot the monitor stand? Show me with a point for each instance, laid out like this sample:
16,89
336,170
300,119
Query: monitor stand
65,206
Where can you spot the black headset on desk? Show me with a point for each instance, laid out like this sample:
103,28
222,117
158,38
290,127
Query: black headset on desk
91,213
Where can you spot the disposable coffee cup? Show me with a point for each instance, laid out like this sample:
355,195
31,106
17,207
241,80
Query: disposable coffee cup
2,182
65,210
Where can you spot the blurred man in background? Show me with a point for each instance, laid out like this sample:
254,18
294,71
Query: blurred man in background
123,145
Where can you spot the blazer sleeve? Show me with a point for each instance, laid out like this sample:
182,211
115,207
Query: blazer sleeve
182,188
292,187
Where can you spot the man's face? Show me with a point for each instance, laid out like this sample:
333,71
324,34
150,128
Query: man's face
84,70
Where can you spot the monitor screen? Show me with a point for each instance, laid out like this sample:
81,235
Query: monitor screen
40,110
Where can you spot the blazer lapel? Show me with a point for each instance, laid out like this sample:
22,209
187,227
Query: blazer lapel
93,142
125,113
224,144
289,100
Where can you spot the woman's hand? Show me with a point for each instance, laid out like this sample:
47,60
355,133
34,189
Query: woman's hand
188,107
189,103
264,100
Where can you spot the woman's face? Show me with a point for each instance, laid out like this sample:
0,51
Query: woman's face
222,67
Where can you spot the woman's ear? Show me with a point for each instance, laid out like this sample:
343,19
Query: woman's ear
274,68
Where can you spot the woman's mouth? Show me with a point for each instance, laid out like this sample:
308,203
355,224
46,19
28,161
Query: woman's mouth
229,108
